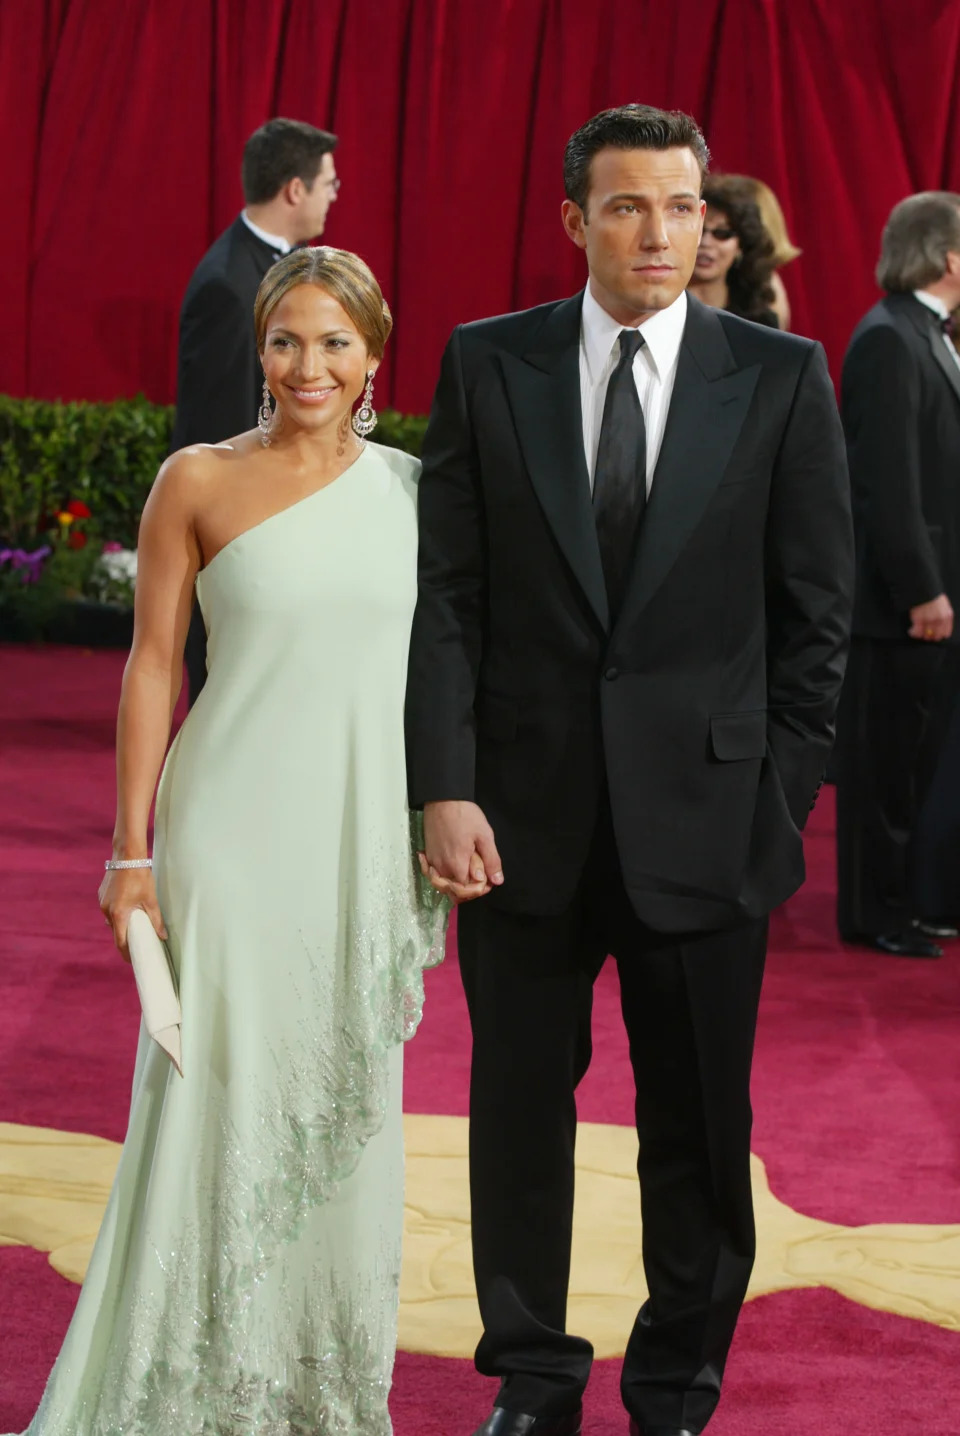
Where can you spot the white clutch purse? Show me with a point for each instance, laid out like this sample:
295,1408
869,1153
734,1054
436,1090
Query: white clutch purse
155,984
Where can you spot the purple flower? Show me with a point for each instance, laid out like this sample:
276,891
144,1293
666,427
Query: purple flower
30,564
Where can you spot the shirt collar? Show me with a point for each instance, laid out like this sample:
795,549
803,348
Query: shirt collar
275,241
932,301
662,333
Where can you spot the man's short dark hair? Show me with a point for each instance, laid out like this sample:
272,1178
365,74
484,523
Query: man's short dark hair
628,127
919,234
282,150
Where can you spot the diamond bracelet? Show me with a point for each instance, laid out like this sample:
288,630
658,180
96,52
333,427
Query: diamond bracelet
119,865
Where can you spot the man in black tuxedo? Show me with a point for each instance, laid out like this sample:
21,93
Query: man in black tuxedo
901,414
635,581
289,183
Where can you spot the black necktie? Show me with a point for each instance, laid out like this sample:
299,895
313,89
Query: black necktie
948,326
620,477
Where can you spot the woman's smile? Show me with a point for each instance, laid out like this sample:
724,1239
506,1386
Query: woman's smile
313,395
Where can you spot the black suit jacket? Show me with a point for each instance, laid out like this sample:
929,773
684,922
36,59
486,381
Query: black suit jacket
219,379
901,414
708,708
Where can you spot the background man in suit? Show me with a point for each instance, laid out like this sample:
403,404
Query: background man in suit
901,413
289,184
635,581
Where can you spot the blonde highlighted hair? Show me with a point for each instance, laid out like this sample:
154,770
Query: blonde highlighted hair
773,220
344,276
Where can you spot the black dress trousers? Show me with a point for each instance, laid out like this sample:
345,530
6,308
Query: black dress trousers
894,711
690,1009
935,867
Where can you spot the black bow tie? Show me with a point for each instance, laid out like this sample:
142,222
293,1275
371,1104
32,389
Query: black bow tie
948,326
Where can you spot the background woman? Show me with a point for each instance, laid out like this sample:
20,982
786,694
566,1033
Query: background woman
784,250
735,259
246,1273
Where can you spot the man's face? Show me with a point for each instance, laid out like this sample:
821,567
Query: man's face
641,228
952,280
316,201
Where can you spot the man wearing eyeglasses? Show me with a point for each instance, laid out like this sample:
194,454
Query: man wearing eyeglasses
289,183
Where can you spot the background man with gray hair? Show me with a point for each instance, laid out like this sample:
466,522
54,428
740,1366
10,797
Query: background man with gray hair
901,414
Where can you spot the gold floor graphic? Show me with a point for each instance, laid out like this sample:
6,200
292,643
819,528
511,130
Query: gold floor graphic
54,1186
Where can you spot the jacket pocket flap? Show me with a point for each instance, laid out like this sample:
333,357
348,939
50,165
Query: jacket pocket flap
497,717
739,735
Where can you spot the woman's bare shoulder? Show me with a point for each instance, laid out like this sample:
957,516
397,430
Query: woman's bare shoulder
199,461
191,474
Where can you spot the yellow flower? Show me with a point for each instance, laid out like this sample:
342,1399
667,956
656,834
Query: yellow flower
64,519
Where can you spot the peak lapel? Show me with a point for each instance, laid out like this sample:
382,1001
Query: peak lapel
951,370
710,400
543,389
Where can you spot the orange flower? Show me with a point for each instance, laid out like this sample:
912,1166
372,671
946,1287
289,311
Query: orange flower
64,519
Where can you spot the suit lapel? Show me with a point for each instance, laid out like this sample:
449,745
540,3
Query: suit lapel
543,389
924,320
262,255
710,400
949,366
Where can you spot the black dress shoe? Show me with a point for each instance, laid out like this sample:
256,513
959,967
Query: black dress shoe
904,944
514,1423
939,928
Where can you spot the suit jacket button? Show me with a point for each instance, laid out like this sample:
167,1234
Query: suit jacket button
611,674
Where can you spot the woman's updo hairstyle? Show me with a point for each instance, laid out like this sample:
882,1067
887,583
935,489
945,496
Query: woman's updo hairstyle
344,276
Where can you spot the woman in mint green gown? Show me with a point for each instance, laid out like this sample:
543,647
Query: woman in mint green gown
245,1279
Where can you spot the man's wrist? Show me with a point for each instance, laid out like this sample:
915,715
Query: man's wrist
926,602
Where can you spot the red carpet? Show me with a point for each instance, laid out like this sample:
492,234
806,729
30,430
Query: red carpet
857,1094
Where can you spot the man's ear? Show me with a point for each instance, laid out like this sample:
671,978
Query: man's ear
574,222
953,262
294,191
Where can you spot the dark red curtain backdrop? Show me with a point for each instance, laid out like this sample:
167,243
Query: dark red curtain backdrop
122,123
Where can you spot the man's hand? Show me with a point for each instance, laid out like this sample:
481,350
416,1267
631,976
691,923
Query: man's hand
459,892
932,622
460,853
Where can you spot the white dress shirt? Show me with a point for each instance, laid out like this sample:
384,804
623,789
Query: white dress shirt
932,301
654,372
275,241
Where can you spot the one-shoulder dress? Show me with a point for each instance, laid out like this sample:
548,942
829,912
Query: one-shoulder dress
245,1279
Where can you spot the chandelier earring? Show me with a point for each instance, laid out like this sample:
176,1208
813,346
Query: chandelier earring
365,419
265,417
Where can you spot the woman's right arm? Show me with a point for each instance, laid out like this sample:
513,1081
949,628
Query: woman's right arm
168,557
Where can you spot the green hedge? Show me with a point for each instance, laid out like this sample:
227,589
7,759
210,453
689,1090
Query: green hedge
104,455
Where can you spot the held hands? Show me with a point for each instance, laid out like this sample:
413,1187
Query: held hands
461,857
120,893
932,622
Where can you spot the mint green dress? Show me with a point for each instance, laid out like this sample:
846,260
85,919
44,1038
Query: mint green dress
245,1279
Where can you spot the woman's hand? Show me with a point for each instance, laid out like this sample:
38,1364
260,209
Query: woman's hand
460,892
120,892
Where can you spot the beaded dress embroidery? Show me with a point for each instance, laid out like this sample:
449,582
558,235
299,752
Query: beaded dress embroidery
246,1275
